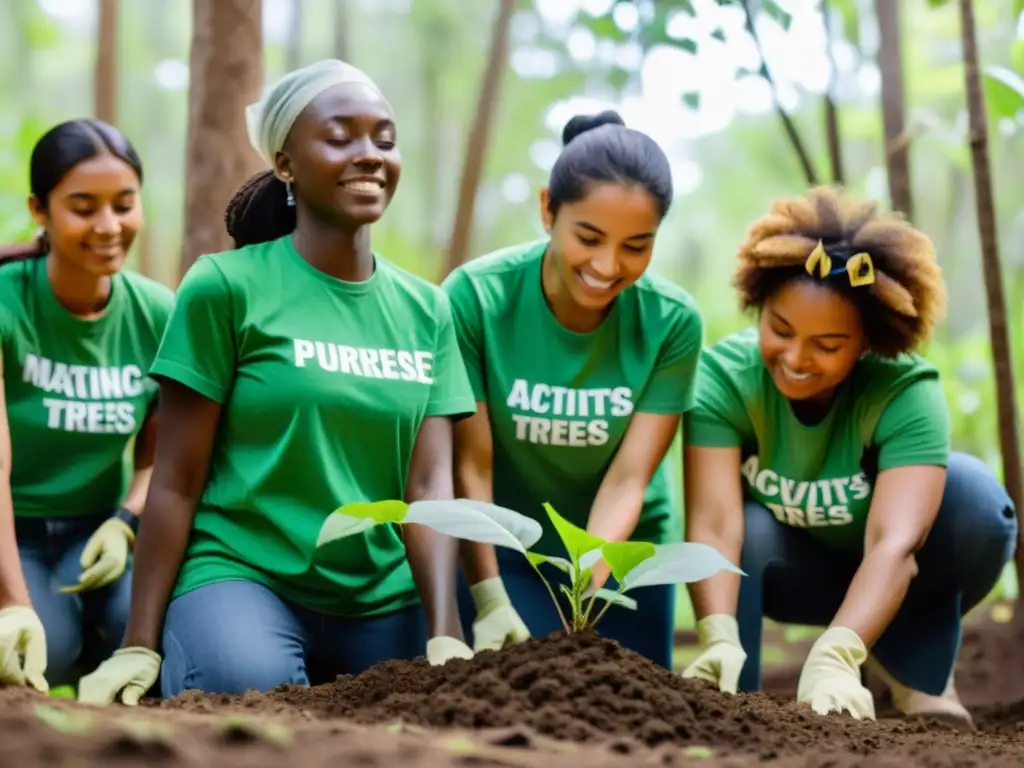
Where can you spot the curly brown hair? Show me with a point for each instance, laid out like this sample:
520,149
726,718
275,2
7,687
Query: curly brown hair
906,300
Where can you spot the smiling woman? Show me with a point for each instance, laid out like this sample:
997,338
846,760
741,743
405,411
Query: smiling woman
582,363
301,372
818,455
78,333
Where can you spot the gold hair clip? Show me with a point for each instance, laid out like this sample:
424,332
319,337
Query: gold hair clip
818,260
861,270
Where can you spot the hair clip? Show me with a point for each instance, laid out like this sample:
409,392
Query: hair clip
861,270
818,260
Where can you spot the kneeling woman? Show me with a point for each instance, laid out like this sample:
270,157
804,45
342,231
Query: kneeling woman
581,362
818,456
299,372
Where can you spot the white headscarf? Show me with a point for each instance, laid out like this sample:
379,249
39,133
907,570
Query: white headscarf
269,120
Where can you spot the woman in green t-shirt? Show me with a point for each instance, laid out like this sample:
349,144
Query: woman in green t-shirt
818,455
77,413
299,372
582,363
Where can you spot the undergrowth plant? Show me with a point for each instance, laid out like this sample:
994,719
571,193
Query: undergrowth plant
633,564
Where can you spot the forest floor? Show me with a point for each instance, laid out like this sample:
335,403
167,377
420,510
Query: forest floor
547,703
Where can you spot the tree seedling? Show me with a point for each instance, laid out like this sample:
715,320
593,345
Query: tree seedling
634,564
66,720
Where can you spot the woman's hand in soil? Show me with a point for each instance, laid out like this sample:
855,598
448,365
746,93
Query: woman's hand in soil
722,657
22,648
442,649
129,673
105,556
830,680
497,623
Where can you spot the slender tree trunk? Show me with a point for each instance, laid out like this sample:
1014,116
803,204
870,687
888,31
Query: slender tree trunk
479,137
1001,351
787,122
835,145
890,64
225,73
342,19
293,44
105,75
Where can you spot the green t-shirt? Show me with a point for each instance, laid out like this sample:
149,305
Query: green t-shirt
77,391
324,385
888,413
559,401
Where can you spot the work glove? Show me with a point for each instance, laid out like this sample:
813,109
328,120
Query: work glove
105,557
830,679
722,657
443,648
913,702
129,673
22,648
497,624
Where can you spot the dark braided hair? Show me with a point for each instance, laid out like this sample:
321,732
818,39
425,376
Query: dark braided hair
54,156
259,211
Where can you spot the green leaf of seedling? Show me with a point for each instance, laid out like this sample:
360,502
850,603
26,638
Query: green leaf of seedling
240,726
359,516
623,556
477,521
678,563
616,598
576,540
65,720
536,559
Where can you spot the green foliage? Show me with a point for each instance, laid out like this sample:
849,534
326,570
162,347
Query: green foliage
633,564
1004,92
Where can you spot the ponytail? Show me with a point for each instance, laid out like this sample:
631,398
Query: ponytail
38,247
259,211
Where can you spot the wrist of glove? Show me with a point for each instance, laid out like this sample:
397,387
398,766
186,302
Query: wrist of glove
722,656
127,674
22,648
830,679
497,623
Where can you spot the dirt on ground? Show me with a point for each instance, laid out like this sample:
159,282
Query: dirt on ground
546,703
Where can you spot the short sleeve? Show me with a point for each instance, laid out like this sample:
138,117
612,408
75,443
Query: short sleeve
672,386
450,392
199,345
719,416
467,317
914,428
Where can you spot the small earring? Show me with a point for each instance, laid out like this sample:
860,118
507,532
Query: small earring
290,199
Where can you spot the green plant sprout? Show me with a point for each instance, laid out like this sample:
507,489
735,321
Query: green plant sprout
634,564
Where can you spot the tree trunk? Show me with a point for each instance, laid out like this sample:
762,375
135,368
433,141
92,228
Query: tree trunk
293,43
835,145
225,74
1005,394
476,148
342,19
802,155
890,65
105,75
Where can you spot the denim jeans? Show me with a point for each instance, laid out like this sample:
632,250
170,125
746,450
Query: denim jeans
792,580
81,629
235,636
648,631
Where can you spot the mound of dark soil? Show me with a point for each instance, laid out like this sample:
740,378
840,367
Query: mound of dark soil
585,688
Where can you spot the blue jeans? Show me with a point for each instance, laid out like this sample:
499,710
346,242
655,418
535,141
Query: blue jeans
235,636
81,629
649,630
791,579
